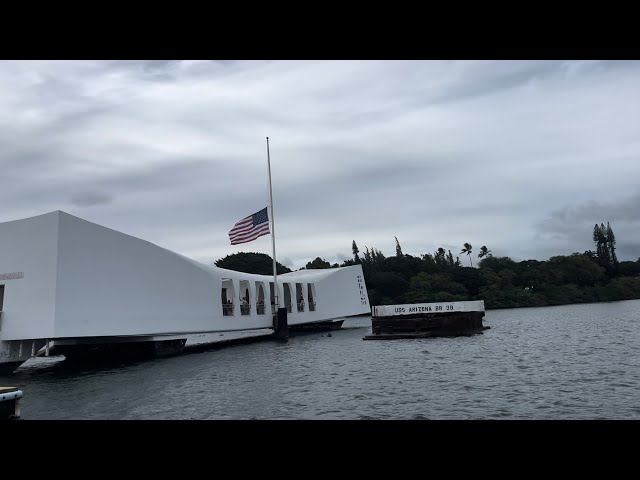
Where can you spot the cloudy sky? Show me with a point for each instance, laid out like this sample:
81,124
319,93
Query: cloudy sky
521,156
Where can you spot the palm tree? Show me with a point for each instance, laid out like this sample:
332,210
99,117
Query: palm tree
467,249
484,252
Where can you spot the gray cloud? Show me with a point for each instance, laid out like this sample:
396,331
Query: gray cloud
286,261
490,80
571,228
521,156
89,199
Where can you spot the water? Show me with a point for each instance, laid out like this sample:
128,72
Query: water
568,362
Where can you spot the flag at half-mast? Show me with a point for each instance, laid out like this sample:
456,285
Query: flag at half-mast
250,228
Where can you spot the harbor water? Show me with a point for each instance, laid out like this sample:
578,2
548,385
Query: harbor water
565,362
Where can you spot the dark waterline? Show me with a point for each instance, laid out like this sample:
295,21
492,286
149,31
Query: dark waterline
567,362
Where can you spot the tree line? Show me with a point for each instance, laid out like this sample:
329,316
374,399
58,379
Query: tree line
590,276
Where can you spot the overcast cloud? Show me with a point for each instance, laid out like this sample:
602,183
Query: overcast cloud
521,156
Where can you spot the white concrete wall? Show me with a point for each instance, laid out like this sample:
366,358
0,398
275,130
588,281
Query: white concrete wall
438,307
337,293
86,280
29,246
110,283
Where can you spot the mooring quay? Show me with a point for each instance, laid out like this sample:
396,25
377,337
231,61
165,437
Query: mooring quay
444,319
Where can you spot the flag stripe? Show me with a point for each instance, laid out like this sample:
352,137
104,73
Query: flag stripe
245,233
240,230
258,233
253,236
250,228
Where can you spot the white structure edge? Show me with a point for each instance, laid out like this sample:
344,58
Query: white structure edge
417,308
65,278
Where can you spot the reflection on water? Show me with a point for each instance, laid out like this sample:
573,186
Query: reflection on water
568,362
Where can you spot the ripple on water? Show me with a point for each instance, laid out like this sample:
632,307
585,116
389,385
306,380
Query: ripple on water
538,363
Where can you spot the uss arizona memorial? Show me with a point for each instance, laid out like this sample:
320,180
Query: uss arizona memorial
83,285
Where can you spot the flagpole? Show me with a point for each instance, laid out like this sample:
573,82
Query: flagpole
273,231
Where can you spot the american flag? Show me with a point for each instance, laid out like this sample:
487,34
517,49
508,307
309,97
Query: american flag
250,228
